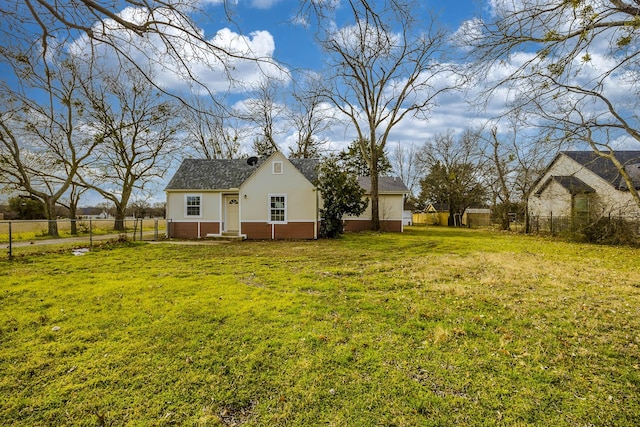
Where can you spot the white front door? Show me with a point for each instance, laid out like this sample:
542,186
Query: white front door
232,213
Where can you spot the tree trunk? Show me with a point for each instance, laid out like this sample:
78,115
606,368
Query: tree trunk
121,206
505,221
74,219
118,224
52,229
50,213
375,211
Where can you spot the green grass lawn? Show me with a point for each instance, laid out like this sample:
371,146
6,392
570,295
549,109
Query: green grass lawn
433,327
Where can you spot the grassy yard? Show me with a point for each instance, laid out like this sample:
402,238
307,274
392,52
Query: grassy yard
434,327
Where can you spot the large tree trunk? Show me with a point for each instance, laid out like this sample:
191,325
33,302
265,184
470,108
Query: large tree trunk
74,219
50,212
121,207
375,211
118,224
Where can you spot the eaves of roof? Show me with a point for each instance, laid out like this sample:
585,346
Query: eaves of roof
572,184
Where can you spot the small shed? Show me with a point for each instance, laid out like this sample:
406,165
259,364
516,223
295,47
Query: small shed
477,217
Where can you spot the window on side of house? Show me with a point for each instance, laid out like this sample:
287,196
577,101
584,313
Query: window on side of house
581,205
193,205
277,208
277,168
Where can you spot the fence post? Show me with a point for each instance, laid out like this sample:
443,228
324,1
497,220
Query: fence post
90,234
141,225
10,243
155,225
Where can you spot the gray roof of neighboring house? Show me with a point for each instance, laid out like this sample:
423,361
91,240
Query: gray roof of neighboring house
212,174
386,184
634,172
606,170
571,183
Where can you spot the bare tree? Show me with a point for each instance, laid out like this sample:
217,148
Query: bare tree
514,157
74,195
385,67
575,66
42,146
405,163
455,174
309,115
262,113
212,131
167,27
137,132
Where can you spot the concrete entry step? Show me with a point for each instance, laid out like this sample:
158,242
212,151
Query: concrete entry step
229,236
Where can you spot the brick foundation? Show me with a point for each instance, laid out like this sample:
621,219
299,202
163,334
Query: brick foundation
292,230
189,230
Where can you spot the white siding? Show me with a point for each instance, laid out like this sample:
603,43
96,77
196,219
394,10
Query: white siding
555,200
210,206
390,207
301,195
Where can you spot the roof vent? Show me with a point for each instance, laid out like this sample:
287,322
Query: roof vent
252,161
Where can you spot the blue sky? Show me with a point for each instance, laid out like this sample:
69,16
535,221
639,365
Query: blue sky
295,45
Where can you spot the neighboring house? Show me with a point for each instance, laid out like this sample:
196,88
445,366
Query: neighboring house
433,214
272,198
407,212
581,183
391,194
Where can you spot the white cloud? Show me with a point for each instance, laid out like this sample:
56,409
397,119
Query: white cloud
227,62
362,37
263,4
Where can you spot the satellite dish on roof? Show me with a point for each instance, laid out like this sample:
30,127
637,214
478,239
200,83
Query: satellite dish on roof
252,161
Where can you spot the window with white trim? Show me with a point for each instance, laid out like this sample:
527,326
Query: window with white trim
277,168
277,208
193,205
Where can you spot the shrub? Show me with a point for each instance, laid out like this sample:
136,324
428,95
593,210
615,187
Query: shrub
612,231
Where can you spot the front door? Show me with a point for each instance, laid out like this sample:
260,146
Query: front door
232,213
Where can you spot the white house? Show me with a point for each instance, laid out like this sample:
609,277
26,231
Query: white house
582,183
272,198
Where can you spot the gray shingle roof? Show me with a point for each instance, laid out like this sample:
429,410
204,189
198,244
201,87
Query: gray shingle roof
210,174
634,172
571,183
308,168
386,184
605,169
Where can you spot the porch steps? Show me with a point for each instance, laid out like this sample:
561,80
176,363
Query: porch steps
228,236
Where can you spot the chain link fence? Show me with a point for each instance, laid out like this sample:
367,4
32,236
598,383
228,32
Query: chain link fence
23,237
